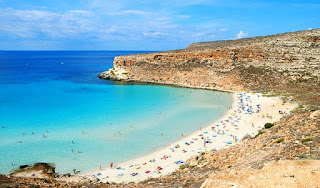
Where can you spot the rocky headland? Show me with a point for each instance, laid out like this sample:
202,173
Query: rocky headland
285,65
286,62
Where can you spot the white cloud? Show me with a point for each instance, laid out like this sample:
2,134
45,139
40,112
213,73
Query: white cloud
223,29
34,23
127,12
105,25
184,16
154,34
242,34
81,12
82,24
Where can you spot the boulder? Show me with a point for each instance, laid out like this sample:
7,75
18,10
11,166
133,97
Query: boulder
38,170
315,115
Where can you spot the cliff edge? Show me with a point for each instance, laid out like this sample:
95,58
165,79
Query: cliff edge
261,63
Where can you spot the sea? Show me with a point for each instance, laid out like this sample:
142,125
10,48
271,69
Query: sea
54,109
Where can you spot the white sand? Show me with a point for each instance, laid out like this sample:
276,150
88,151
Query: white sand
235,125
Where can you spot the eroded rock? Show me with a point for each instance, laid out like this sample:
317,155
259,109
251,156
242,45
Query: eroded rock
38,170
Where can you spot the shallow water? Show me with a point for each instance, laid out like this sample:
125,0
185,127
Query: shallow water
57,95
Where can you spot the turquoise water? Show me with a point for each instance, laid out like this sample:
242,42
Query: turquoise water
65,102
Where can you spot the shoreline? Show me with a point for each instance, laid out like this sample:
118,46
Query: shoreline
152,166
167,145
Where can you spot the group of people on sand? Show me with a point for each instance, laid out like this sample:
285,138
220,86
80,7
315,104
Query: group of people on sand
207,136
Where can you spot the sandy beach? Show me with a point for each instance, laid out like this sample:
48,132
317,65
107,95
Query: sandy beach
248,114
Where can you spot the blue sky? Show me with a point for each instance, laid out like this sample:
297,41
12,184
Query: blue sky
145,24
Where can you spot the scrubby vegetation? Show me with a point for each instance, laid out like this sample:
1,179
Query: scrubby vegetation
259,133
182,167
280,140
306,140
268,125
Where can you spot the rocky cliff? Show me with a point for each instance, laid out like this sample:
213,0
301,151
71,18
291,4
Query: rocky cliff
264,63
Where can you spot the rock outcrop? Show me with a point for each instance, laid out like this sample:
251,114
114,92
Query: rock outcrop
269,62
38,170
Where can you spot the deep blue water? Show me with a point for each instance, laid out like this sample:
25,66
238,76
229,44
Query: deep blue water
56,95
75,66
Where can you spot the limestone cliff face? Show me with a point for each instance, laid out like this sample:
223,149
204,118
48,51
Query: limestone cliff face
260,62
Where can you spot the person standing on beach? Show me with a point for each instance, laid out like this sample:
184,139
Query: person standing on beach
111,164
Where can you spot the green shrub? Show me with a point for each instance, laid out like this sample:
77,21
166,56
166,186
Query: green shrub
306,140
259,133
280,140
268,125
182,167
229,166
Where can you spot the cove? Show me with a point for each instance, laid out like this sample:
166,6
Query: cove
52,103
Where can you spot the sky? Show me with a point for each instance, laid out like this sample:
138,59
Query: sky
146,24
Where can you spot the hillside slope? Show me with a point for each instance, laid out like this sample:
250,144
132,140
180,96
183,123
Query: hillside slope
284,62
